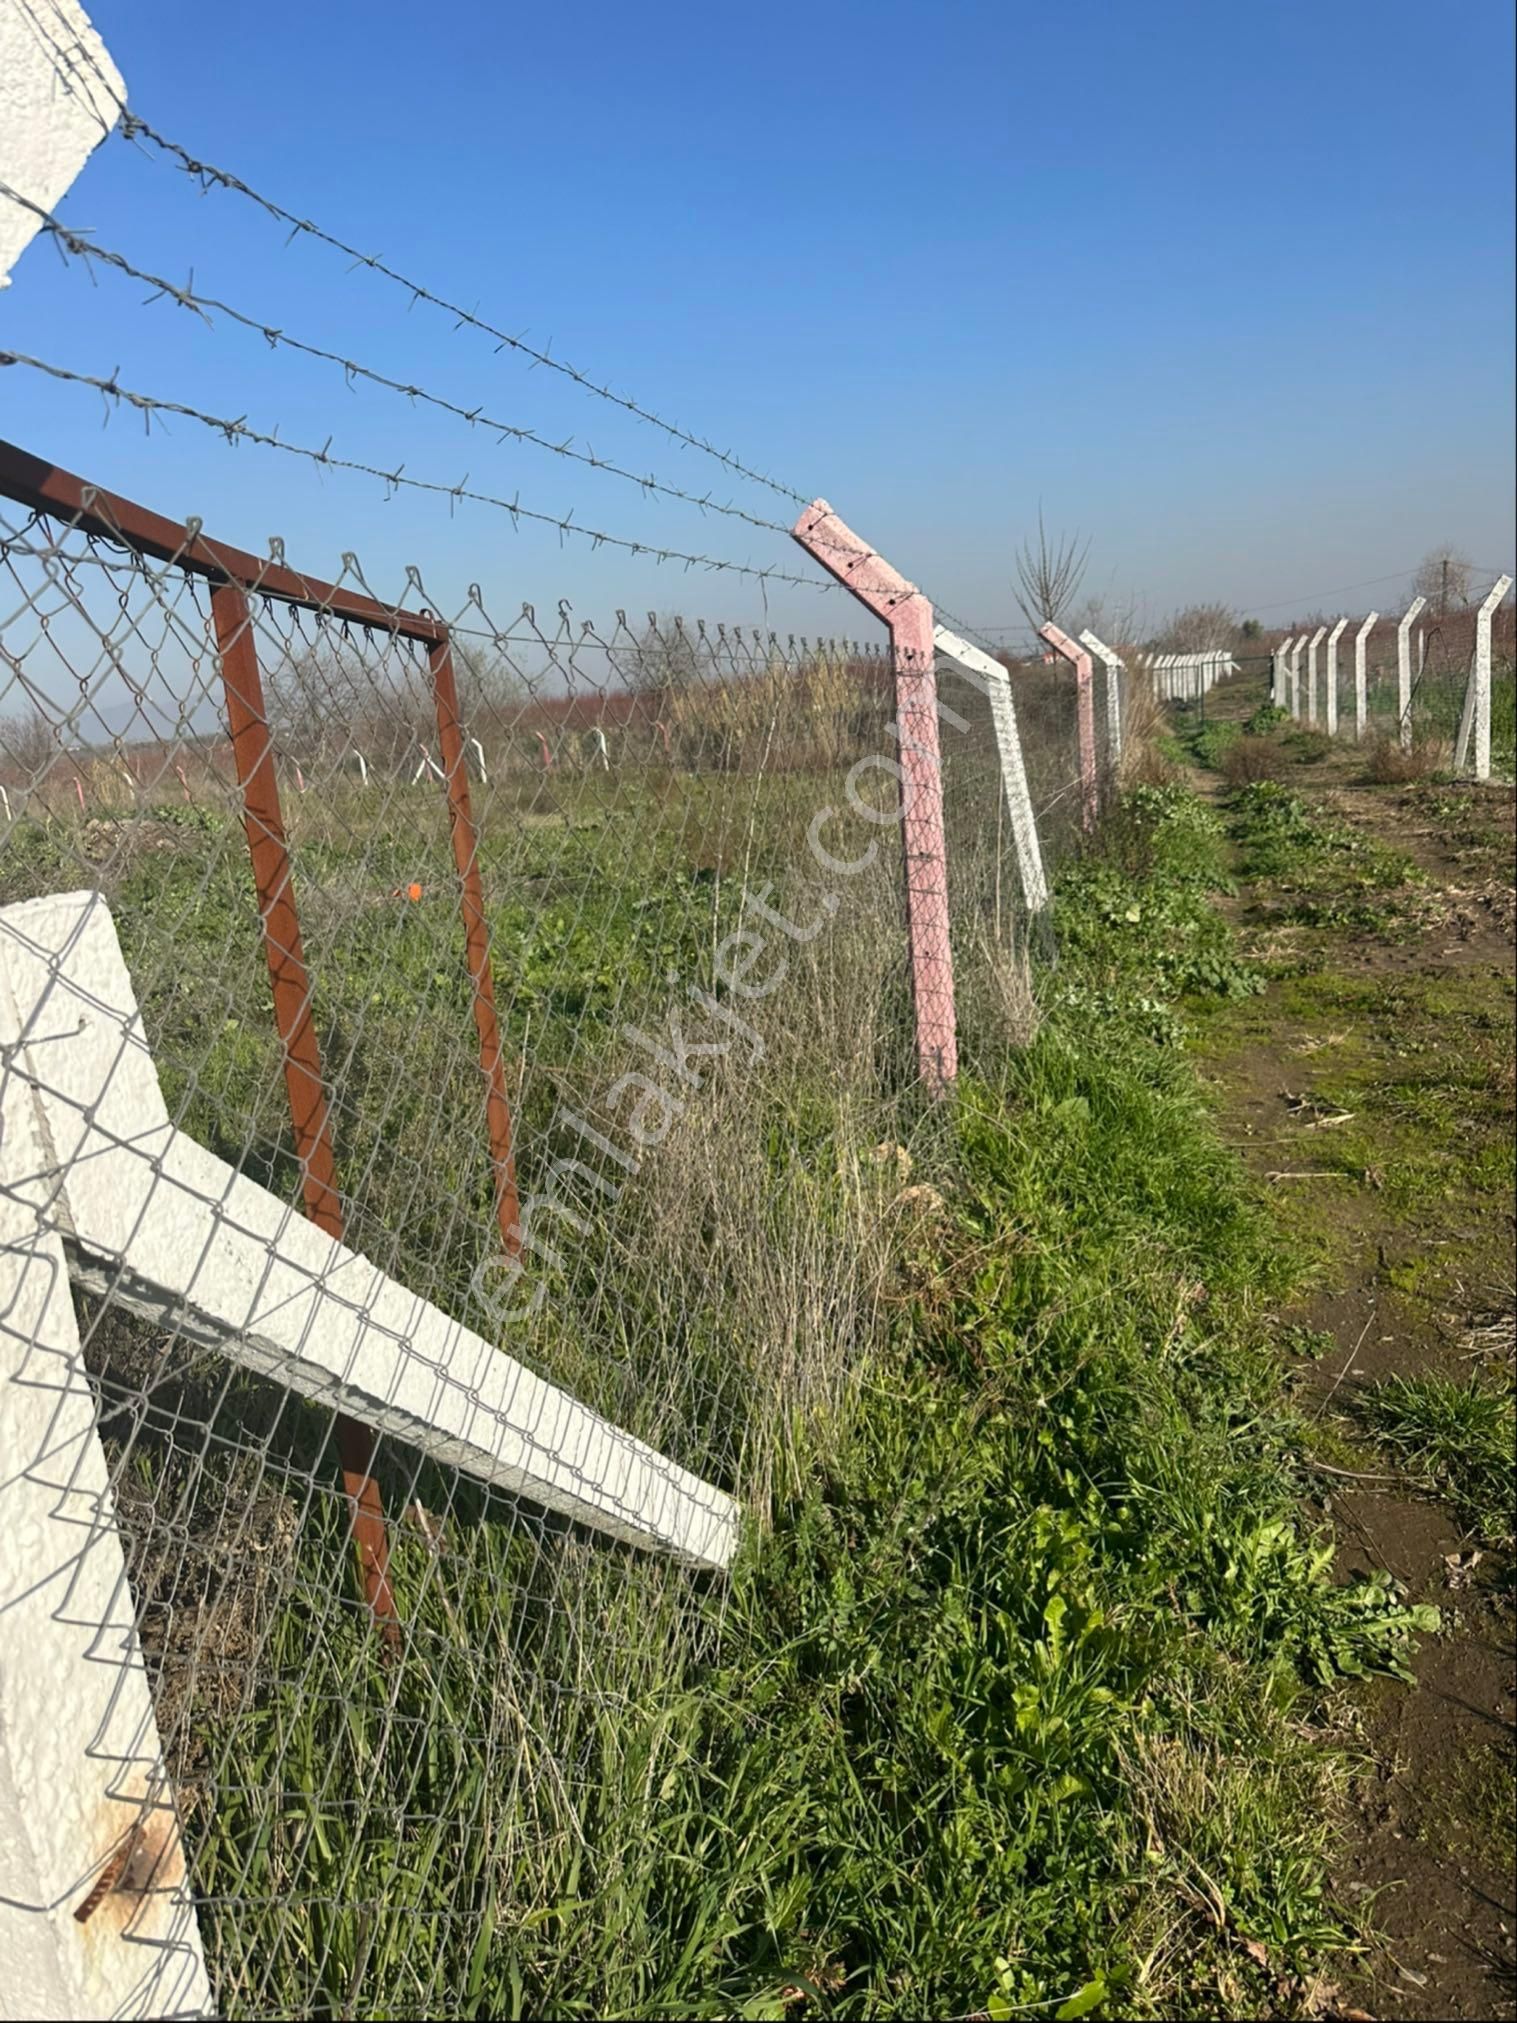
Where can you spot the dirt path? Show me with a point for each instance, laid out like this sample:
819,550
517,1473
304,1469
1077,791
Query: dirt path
1370,1089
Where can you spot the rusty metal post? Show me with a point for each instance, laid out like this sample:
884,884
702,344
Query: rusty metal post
465,837
1085,712
253,753
886,593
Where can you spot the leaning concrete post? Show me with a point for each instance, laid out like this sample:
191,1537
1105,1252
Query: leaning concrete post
907,613
1332,677
1361,694
1277,676
993,682
1404,671
1296,646
1311,673
1085,717
1476,714
1112,662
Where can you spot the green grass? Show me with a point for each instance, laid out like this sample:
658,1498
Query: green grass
1008,1703
1006,1690
1457,1437
1438,704
1320,873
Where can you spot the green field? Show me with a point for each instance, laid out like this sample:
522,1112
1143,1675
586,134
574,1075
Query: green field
1008,1705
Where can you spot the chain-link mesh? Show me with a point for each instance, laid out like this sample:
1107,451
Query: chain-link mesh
704,1017
1439,650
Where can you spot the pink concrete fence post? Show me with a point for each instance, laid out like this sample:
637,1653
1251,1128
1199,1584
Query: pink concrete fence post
885,592
1085,708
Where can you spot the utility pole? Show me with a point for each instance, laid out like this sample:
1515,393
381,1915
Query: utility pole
1443,594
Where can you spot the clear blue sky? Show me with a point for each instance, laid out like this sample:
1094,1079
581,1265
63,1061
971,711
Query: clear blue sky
1229,289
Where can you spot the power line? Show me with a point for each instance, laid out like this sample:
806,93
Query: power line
237,430
134,128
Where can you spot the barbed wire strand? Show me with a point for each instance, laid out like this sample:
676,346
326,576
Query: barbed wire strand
134,128
70,243
236,429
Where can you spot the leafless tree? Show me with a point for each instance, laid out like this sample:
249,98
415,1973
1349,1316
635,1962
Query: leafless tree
1200,628
1116,620
30,742
1048,575
1443,578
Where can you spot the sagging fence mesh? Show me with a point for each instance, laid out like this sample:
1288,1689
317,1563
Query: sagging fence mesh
652,1143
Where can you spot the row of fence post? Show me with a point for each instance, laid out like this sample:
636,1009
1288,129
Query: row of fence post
1187,677
918,645
1287,692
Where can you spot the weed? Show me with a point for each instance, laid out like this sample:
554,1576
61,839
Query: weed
1025,1638
1250,758
1267,717
1457,1437
1210,742
1325,873
1391,763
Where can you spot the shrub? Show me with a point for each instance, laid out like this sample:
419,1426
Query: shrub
1391,764
1264,719
1250,759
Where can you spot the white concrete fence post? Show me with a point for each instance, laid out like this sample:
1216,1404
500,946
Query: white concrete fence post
1297,644
1311,673
99,1189
1361,688
1115,669
1476,714
1332,676
1404,671
993,682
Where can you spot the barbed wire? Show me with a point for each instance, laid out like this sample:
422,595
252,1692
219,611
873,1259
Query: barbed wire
71,243
135,128
237,429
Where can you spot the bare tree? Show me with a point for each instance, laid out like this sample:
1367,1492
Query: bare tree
1200,628
1048,577
1443,578
30,742
1116,620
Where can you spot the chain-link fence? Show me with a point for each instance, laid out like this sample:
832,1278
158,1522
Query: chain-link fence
560,968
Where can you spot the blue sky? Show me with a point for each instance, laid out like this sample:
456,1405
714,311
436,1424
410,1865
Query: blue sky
1228,289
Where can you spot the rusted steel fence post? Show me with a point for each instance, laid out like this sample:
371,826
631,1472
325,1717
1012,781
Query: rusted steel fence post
1085,711
465,837
908,614
263,821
